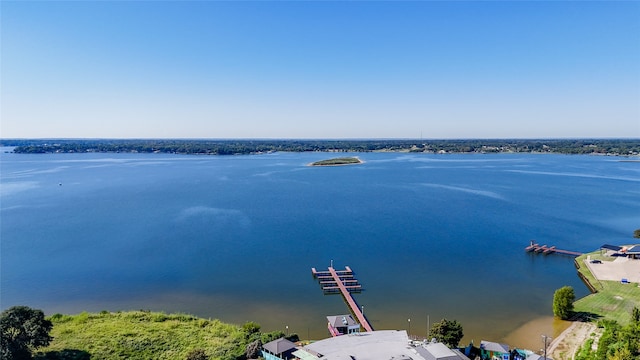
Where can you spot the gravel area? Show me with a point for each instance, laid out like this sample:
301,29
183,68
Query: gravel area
620,268
568,343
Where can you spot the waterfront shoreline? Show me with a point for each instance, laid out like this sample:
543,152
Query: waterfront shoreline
397,219
529,335
571,340
566,336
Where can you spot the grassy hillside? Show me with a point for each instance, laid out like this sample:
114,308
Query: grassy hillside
145,335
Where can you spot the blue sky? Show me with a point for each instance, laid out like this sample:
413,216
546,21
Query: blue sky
320,69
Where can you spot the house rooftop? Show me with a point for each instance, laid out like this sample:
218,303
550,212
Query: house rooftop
538,357
341,320
383,345
279,346
439,351
611,247
633,250
494,346
379,345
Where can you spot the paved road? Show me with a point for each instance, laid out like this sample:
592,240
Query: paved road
620,268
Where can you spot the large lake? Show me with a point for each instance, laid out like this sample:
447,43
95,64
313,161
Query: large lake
235,237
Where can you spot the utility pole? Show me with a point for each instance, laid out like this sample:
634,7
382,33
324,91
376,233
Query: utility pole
545,337
428,329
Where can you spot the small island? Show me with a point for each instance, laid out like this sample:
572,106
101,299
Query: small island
337,161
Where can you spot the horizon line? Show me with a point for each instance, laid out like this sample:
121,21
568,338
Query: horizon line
313,139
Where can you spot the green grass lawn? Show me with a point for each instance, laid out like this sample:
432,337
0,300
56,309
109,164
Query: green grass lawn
140,335
613,301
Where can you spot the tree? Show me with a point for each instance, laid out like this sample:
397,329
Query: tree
563,300
253,349
270,336
251,327
293,337
448,332
636,234
621,354
251,330
22,330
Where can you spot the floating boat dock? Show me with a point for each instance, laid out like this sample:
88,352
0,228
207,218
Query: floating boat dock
544,249
342,281
331,279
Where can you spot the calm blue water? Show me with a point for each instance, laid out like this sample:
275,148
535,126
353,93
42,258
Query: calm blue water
235,237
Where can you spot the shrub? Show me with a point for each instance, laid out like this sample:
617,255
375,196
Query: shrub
197,354
159,317
251,328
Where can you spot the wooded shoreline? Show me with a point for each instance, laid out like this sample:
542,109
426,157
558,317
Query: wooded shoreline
616,147
342,161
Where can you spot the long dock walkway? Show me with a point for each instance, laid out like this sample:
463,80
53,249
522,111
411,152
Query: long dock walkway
544,249
344,282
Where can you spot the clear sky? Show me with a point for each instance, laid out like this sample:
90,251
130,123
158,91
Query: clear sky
320,69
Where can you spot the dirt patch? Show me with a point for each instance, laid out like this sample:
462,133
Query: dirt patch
565,346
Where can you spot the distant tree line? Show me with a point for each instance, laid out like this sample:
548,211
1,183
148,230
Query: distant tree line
624,147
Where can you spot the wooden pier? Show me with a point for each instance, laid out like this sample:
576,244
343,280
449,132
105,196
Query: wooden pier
544,249
342,281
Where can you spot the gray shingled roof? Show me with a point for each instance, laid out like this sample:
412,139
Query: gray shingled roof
537,357
439,351
493,346
336,320
382,344
279,346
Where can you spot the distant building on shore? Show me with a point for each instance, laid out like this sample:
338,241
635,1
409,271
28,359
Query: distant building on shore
279,349
342,325
493,350
630,251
